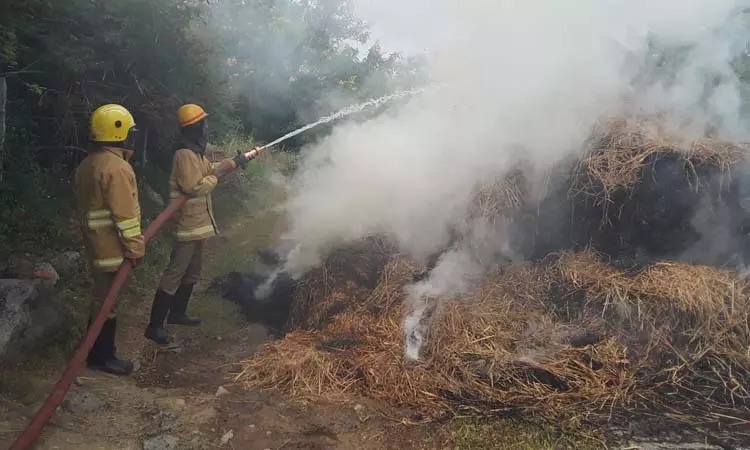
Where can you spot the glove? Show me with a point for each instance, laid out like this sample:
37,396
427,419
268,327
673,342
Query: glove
240,161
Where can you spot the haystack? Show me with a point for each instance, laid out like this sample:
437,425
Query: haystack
638,189
578,335
347,277
621,148
572,339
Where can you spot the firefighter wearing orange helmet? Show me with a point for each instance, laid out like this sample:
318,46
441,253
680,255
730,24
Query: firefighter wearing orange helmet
192,175
110,219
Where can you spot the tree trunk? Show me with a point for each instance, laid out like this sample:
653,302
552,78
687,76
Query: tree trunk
3,92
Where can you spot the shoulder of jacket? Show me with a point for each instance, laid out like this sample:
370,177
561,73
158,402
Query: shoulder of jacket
118,166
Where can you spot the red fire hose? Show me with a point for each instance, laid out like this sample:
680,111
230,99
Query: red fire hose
35,427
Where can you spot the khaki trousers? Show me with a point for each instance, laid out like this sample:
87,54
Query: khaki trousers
185,264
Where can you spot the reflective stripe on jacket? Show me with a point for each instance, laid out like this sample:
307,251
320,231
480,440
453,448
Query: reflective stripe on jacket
193,174
108,210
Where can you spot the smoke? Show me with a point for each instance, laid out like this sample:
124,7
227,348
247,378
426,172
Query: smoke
527,80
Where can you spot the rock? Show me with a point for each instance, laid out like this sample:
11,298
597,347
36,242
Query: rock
68,263
180,403
269,433
17,266
227,437
361,413
45,272
221,391
29,267
163,442
82,402
251,427
31,317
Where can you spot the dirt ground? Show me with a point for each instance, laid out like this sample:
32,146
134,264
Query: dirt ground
174,395
172,401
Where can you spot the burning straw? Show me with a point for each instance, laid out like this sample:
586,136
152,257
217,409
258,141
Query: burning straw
345,279
573,339
621,148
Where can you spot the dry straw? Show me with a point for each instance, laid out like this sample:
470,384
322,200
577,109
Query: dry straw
574,339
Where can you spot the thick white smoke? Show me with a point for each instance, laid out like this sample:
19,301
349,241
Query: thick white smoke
527,80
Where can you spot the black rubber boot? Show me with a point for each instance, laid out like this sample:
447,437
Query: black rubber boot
102,355
159,309
179,307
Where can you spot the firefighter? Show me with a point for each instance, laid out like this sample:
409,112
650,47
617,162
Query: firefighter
110,219
193,175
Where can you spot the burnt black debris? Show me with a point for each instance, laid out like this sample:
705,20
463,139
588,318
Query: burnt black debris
271,310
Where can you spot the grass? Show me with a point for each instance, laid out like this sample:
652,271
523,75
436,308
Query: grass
495,434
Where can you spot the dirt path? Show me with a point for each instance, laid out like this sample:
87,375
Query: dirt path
171,400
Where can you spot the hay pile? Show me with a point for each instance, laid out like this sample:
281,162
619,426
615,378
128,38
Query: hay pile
570,339
500,199
621,148
346,277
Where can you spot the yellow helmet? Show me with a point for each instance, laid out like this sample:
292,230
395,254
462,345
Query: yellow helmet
190,114
111,123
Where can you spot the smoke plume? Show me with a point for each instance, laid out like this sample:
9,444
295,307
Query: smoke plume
526,82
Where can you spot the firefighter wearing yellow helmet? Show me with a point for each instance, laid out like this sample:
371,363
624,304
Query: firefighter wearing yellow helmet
192,175
110,219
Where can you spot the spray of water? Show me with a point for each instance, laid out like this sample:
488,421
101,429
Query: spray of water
264,289
375,102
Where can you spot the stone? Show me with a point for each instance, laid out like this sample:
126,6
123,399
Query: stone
361,413
68,263
31,317
82,402
162,442
221,391
46,273
227,437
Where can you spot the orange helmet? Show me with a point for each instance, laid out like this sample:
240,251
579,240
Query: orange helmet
190,114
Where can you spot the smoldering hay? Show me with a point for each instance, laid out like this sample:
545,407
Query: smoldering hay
576,334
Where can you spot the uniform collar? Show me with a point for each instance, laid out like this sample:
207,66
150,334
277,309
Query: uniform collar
123,153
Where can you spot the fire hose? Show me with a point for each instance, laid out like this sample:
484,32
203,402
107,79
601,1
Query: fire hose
48,408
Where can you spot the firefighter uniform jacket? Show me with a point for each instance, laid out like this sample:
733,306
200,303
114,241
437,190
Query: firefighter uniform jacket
108,211
193,175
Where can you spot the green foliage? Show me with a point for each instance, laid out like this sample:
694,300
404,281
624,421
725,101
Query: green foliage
76,55
291,61
35,207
